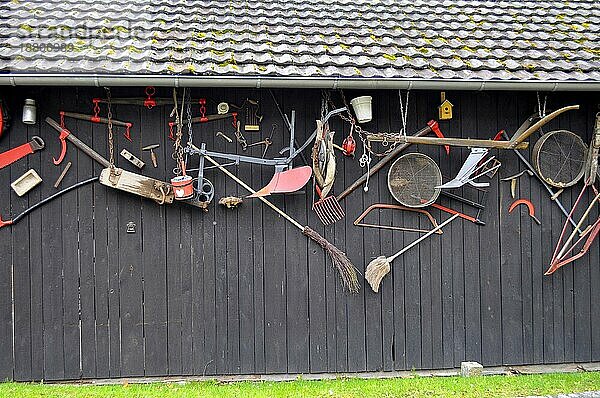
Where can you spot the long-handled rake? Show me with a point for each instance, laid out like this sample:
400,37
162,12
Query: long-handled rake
381,266
341,262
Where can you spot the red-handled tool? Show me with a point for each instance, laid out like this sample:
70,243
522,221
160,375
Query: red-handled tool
12,155
67,135
435,127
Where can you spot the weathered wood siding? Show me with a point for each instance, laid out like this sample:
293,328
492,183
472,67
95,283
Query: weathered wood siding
242,291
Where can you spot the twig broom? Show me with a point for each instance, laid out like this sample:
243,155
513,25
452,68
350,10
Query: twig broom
344,266
381,266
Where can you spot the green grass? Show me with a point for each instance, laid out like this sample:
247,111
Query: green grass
487,386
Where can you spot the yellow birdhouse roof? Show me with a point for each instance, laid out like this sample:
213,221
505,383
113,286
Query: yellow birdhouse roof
446,102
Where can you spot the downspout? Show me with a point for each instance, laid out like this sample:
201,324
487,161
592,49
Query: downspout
98,80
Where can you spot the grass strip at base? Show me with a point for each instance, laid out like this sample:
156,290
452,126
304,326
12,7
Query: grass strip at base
417,387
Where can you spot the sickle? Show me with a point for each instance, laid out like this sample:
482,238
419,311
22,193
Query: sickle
529,205
63,146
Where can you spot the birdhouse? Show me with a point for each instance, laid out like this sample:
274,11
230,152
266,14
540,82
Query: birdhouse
445,108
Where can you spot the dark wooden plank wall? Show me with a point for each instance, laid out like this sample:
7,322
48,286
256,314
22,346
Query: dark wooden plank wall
241,291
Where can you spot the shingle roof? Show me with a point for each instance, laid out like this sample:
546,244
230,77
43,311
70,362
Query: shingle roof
508,40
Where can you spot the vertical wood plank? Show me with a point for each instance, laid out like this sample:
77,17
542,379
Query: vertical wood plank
53,272
130,257
150,131
298,344
20,261
71,271
103,292
372,249
514,230
84,197
356,306
7,360
471,266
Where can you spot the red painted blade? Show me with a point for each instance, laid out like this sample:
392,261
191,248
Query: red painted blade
285,181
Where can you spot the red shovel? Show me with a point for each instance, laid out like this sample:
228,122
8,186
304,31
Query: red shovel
12,155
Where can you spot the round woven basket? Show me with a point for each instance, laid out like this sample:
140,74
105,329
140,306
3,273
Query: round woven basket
413,178
559,158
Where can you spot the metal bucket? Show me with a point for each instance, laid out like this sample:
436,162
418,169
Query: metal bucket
183,187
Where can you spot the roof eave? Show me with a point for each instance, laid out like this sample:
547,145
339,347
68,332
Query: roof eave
100,80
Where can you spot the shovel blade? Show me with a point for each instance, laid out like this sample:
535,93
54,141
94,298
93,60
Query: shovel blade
285,182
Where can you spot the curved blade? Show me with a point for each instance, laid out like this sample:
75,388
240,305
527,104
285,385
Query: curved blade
285,181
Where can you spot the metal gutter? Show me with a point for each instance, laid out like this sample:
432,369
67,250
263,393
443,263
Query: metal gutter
99,80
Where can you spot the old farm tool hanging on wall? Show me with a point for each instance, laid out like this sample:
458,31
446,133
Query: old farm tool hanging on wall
343,265
559,158
381,266
96,118
323,158
516,142
563,252
12,155
414,179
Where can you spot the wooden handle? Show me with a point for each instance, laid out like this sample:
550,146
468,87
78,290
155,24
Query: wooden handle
416,242
79,144
515,141
265,201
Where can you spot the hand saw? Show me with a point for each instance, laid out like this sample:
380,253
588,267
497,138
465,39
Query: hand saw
12,155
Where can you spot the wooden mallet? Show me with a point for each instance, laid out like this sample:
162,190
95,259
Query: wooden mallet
381,266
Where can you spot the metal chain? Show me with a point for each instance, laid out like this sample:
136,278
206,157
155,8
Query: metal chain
177,148
364,133
189,120
111,148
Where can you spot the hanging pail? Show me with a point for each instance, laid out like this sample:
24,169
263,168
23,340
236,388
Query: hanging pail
182,187
362,108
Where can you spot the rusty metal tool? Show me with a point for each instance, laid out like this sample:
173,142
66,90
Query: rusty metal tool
530,208
151,148
65,135
553,194
358,222
95,118
12,155
62,175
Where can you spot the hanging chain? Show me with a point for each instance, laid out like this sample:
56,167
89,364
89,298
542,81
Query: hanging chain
387,137
177,148
189,120
111,148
